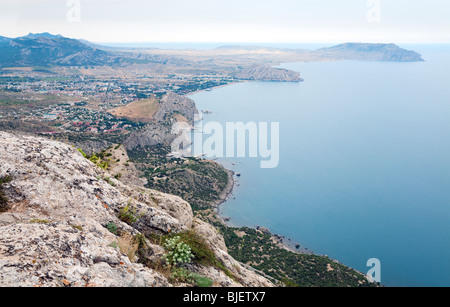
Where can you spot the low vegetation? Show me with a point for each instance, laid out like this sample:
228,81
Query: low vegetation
178,252
128,214
3,198
101,159
182,275
258,250
129,246
199,182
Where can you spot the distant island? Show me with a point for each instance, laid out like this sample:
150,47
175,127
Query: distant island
371,52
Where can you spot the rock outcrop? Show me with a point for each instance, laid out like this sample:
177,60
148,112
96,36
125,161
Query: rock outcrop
174,108
267,73
172,103
56,231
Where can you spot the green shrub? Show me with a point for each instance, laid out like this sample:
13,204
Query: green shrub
3,198
202,252
96,159
202,281
83,153
185,276
112,228
128,215
178,252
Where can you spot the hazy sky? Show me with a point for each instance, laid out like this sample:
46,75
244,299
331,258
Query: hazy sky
289,21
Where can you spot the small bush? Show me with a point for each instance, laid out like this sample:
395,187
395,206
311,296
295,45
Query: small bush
202,281
178,252
202,252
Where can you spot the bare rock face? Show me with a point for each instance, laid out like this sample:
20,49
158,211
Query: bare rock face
267,73
217,243
174,108
120,167
55,232
174,103
57,254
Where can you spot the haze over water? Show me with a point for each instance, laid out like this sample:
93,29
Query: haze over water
364,162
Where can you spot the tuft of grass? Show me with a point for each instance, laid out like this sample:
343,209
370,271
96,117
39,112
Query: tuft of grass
38,221
129,246
5,179
202,281
182,275
112,228
77,227
97,159
128,215
3,198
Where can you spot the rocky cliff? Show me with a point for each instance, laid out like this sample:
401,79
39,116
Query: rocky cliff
173,108
64,225
267,73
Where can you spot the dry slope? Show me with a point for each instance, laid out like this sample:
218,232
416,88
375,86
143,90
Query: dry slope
55,231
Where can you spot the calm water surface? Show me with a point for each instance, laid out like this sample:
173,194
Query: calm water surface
364,166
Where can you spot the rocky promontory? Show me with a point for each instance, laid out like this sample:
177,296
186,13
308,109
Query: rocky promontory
369,52
267,73
172,108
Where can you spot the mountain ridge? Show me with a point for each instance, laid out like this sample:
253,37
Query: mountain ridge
46,49
378,52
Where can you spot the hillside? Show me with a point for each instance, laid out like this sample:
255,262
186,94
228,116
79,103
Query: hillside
370,52
267,73
46,49
69,223
141,110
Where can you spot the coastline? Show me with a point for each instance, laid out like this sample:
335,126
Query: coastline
214,87
281,241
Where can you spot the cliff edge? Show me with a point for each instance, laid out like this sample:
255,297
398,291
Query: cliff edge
69,223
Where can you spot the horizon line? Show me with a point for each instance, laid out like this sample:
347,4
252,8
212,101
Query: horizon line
244,42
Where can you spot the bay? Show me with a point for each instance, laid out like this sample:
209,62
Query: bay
364,167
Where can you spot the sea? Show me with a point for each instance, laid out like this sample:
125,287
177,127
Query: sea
364,162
